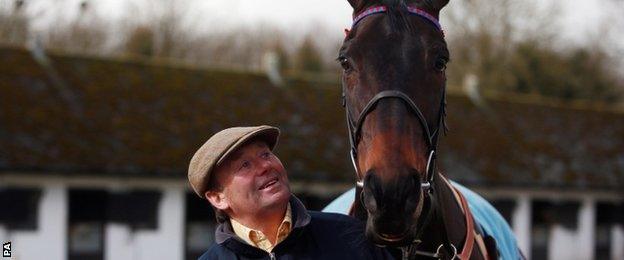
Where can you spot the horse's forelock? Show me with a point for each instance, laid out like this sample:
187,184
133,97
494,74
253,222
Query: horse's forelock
392,3
396,14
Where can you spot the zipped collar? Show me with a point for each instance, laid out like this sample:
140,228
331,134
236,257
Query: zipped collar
300,216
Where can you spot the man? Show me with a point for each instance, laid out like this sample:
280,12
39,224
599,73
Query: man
259,218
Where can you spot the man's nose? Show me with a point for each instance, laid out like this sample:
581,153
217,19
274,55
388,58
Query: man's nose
264,165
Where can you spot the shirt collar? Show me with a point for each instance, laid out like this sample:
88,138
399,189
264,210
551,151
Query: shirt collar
257,238
300,218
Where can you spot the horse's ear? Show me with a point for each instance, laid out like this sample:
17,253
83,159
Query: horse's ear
354,3
357,4
433,6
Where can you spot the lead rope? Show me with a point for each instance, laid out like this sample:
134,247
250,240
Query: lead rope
451,249
406,250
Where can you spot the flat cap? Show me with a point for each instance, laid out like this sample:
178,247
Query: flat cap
219,146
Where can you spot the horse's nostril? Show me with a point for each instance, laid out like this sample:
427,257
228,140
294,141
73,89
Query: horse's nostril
372,184
368,177
372,191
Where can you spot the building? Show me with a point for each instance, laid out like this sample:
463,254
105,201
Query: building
93,157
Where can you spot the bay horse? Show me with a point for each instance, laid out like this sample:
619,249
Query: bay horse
394,60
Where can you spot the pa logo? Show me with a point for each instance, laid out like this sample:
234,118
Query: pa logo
6,249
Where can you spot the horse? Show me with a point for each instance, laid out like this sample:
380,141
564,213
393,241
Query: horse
393,63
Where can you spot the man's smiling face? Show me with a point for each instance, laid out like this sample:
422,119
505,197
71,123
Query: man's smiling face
252,180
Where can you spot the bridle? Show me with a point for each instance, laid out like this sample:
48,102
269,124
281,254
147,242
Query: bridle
355,127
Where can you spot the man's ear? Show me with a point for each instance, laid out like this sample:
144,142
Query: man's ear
217,199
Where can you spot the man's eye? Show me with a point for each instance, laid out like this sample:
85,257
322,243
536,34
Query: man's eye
266,155
245,165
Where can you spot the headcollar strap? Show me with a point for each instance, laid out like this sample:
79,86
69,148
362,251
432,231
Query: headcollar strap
382,9
368,11
424,14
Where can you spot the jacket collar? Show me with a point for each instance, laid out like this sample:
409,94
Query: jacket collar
300,218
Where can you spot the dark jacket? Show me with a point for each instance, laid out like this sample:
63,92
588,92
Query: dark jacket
315,235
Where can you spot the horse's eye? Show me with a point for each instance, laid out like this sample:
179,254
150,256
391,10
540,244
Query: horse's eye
344,62
440,64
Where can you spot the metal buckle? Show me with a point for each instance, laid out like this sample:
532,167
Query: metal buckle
429,162
360,181
442,246
425,185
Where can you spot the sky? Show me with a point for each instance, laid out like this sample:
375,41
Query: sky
579,18
293,14
289,14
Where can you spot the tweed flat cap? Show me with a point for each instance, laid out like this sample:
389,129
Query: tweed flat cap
219,146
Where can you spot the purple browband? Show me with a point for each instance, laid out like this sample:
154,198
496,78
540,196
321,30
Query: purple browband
383,9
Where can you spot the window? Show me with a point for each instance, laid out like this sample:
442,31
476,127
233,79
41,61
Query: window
545,215
602,249
85,239
540,235
200,226
542,218
87,216
606,218
138,209
20,208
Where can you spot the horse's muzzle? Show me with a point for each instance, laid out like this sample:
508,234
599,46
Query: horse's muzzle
391,205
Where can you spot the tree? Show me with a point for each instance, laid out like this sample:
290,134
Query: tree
578,74
86,33
510,46
308,57
157,29
14,24
282,57
140,41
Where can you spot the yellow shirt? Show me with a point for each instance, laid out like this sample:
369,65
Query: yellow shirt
257,238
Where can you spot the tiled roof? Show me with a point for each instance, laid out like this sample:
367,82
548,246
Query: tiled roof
125,118
507,142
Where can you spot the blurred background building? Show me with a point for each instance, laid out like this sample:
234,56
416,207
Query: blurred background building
99,119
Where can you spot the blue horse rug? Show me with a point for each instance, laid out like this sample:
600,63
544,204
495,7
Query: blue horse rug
485,215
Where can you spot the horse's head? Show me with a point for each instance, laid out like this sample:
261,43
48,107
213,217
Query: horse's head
394,59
